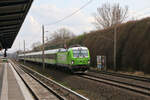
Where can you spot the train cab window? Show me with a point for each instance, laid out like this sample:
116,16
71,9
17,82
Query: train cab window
80,53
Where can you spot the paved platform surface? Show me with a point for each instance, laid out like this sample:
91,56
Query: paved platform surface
11,85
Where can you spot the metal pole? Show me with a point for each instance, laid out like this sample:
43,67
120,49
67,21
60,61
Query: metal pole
19,45
43,48
115,46
105,63
24,50
5,53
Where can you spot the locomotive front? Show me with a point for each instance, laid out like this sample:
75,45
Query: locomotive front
79,58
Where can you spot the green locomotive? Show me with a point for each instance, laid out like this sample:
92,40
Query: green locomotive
74,58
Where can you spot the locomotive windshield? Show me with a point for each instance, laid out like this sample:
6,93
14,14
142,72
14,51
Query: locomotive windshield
80,53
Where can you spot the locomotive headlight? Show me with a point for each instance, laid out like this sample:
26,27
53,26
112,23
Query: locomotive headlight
72,62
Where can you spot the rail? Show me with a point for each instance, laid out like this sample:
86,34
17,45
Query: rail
68,93
139,78
37,95
120,84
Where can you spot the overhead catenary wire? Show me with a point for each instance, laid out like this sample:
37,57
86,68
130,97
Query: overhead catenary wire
73,13
70,15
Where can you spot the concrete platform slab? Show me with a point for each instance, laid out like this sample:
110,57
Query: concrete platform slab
1,76
11,85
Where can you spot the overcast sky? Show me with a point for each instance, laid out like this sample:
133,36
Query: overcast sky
49,11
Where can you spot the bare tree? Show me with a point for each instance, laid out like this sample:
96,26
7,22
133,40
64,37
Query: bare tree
62,35
58,37
36,46
109,15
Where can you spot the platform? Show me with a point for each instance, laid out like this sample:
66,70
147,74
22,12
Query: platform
11,85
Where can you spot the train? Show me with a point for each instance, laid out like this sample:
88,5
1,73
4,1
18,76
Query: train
74,58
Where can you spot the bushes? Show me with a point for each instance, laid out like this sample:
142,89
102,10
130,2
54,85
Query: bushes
76,40
133,45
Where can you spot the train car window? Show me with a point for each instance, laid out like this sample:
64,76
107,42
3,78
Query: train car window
51,56
62,50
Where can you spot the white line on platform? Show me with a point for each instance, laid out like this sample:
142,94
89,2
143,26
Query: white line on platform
22,86
4,93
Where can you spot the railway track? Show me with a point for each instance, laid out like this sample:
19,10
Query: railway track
131,87
61,92
139,78
38,89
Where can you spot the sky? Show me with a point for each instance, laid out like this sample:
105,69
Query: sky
47,12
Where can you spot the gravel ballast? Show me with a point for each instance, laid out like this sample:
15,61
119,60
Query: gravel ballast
91,89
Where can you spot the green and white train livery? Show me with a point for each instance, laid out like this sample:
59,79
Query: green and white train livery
74,58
